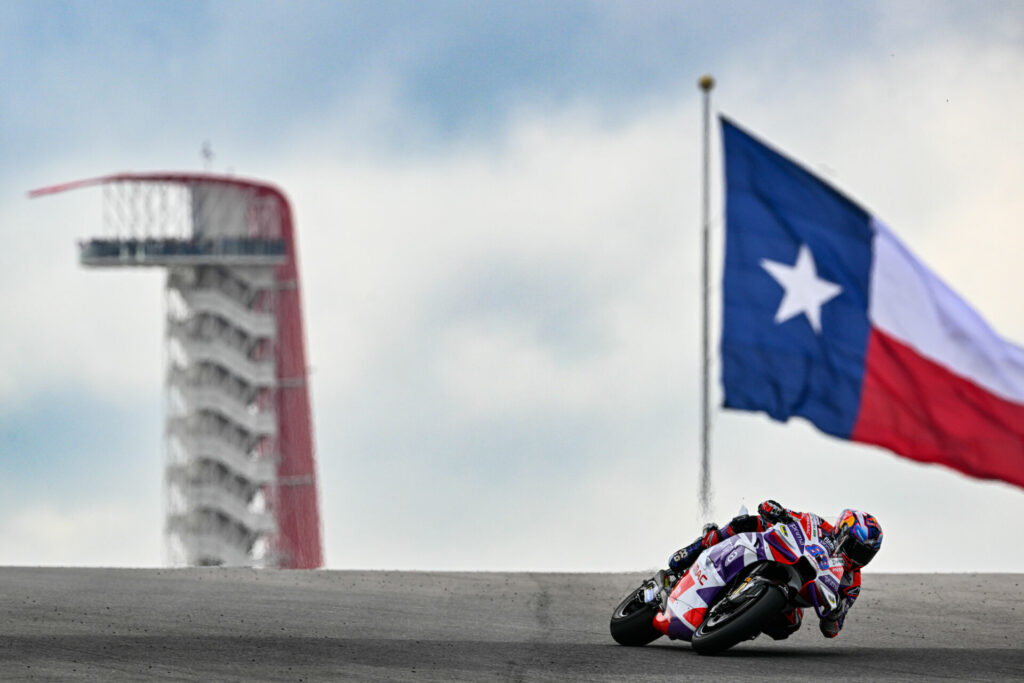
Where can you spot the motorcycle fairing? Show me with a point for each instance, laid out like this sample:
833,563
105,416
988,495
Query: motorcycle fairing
818,549
688,603
719,565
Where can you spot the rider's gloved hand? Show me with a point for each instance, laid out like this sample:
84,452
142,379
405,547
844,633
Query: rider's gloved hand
710,535
773,512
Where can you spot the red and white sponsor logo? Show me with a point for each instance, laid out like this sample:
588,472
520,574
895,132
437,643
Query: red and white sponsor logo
807,525
699,576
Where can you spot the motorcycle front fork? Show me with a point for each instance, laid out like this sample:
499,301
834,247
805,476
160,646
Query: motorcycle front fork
659,587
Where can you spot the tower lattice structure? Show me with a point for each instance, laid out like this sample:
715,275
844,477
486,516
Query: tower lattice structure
240,476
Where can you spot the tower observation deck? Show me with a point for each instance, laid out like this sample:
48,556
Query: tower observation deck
240,477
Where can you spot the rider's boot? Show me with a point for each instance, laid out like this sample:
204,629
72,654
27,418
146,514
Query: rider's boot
684,557
784,624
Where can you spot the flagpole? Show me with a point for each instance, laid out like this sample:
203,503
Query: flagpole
706,83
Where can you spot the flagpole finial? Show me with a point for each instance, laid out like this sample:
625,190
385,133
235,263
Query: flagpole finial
706,82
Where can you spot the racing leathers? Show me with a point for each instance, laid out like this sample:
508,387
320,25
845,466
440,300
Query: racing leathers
770,512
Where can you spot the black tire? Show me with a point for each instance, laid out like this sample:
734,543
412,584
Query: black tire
633,621
743,624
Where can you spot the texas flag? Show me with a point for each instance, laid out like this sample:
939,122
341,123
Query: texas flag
828,316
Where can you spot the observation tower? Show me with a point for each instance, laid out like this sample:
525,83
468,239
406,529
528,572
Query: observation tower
240,477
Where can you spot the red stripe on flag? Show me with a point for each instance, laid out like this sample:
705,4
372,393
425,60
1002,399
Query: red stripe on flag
920,410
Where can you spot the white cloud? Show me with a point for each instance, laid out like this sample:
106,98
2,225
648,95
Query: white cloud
559,201
108,534
540,290
563,211
66,327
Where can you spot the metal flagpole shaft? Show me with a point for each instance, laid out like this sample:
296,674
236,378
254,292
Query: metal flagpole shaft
706,83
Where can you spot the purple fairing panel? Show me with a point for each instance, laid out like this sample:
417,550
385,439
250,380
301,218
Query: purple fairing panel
679,630
829,582
736,552
780,549
798,534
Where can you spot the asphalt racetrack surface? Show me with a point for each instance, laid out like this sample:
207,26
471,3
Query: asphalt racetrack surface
241,625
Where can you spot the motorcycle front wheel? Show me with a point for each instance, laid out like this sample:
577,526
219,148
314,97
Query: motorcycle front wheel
729,622
633,621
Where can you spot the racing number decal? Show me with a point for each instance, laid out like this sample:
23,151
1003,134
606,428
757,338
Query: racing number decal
819,554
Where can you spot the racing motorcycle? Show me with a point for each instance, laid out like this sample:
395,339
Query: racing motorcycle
735,590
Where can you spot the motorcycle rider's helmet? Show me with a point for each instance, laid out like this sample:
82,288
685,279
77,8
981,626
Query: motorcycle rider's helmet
858,537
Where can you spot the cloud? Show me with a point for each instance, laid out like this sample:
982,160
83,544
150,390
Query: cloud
67,328
567,202
107,534
503,317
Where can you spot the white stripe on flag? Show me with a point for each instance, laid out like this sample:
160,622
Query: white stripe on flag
909,302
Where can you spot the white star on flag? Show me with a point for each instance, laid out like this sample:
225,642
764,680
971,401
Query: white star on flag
805,292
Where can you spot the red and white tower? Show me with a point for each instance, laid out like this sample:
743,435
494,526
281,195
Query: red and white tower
240,474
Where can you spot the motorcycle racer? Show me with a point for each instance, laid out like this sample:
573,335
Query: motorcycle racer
855,537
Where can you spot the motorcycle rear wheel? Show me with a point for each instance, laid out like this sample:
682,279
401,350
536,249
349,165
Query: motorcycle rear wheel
743,622
632,621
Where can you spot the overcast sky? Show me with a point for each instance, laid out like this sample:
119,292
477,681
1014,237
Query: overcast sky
498,224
